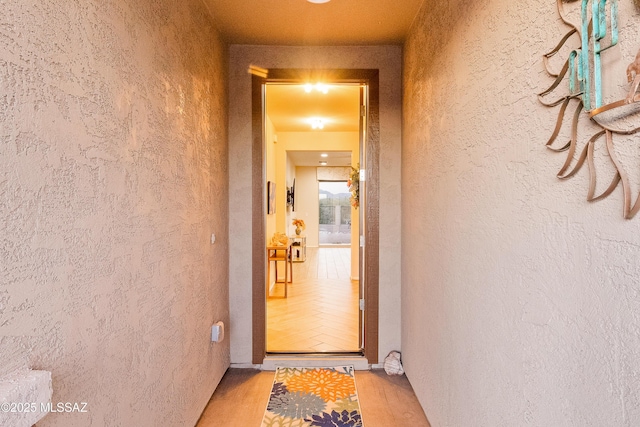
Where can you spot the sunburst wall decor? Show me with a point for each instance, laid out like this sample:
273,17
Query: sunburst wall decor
581,80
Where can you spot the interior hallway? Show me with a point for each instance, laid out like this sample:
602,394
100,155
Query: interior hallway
242,396
321,311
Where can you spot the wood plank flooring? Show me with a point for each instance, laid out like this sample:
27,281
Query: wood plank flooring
325,263
242,396
321,312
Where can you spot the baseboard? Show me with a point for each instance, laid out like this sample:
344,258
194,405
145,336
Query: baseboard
245,366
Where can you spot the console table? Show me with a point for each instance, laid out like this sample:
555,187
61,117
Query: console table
275,254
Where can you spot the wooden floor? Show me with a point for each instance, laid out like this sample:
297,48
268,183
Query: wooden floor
321,311
241,398
325,263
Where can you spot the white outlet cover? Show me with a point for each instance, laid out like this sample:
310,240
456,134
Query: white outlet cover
217,332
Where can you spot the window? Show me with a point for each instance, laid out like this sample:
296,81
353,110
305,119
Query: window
335,213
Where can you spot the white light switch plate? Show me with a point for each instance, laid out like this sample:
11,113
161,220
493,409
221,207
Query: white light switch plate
217,332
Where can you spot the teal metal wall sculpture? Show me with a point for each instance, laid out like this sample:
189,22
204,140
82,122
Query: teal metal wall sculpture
583,74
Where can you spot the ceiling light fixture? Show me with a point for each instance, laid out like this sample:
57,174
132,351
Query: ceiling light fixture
320,87
318,1
324,155
317,123
323,163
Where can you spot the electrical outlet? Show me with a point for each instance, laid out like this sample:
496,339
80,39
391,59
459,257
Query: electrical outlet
217,332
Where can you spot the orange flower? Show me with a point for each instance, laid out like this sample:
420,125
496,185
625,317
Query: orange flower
329,385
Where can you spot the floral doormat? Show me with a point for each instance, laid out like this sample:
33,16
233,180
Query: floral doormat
324,397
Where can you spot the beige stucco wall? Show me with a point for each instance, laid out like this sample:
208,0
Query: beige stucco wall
520,299
113,175
388,60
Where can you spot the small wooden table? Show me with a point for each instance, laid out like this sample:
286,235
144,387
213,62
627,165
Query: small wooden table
275,254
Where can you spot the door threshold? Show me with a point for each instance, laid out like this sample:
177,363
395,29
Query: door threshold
271,362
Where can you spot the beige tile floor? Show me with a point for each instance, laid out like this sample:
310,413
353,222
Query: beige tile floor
321,311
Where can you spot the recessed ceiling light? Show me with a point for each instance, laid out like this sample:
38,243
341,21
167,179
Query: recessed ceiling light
320,87
323,163
324,155
318,1
317,123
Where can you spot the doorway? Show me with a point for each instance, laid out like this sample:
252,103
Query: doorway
312,142
367,231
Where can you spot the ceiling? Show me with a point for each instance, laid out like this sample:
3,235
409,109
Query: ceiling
312,158
298,22
291,108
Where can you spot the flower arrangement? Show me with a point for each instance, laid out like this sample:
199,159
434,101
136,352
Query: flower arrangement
299,223
354,186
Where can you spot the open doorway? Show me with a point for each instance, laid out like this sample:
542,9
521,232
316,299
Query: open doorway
365,242
312,144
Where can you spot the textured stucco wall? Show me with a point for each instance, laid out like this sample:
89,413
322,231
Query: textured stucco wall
520,300
113,175
388,59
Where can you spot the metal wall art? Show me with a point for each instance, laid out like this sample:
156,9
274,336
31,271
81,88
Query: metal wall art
582,76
